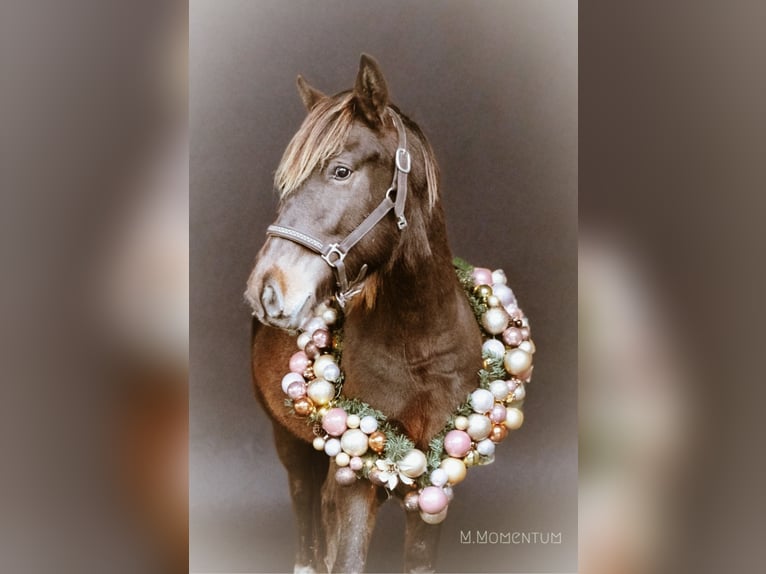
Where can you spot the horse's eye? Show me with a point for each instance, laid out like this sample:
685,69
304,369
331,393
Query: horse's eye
341,172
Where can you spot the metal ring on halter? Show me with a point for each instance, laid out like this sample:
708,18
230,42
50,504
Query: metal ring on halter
333,248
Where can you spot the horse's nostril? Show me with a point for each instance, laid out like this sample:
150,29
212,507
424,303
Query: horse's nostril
272,300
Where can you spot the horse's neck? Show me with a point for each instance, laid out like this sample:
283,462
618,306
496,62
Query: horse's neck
414,354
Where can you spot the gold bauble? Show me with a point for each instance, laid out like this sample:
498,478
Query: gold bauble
498,433
377,441
303,406
483,291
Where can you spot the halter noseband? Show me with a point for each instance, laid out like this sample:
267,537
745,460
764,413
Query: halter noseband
334,254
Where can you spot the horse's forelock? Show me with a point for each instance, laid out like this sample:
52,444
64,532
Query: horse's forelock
323,135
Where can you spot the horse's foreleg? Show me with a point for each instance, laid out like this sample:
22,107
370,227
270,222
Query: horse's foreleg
306,470
421,541
348,513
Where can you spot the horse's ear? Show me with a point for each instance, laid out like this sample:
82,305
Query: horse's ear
370,91
309,95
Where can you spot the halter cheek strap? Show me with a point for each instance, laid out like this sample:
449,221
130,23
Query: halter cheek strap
334,254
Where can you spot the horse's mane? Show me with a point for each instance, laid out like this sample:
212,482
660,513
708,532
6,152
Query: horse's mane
323,135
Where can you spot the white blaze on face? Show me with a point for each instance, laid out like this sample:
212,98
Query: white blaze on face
283,285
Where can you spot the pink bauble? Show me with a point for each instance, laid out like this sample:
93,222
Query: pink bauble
482,276
334,422
321,338
512,336
457,443
296,390
497,414
355,463
432,500
298,362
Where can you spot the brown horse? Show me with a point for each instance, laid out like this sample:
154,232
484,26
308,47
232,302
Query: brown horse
412,347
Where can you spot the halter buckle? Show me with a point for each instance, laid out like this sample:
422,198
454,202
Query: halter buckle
333,248
402,155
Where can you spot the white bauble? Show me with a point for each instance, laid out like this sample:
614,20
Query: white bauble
495,320
485,447
413,464
494,348
354,442
332,447
320,392
482,400
499,389
517,361
321,363
368,424
434,518
479,426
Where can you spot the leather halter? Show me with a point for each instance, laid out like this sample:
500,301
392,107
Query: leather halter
334,254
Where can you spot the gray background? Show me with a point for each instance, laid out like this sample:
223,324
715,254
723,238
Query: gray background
494,87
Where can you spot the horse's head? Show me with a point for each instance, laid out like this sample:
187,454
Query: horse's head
335,177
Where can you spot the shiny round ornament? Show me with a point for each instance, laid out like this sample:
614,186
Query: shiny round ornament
303,406
334,422
332,447
457,443
439,477
455,469
352,421
499,389
413,464
485,447
481,276
461,422
519,393
321,363
482,291
331,372
298,362
377,441
342,459
296,390
498,413
495,320
368,424
482,400
291,378
354,442
355,463
345,476
493,301
471,459
312,350
321,392
478,426
498,276
303,340
504,294
318,443
517,361
321,338
527,346
494,348
432,500
411,501
525,333
314,324
434,518
329,316
498,433
449,492
514,419
512,337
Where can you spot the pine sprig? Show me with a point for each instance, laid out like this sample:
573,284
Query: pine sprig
397,445
360,408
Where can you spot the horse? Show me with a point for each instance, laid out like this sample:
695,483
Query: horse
412,346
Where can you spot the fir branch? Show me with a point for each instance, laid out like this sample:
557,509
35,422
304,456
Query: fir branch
360,408
397,445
